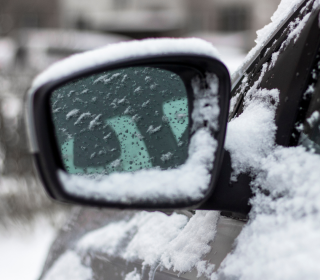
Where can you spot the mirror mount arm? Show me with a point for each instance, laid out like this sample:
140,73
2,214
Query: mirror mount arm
230,196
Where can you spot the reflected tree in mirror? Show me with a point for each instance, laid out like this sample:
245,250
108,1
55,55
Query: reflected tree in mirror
121,121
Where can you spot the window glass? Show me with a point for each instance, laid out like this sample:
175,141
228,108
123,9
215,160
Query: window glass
121,121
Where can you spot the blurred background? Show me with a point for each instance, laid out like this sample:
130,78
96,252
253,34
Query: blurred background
36,33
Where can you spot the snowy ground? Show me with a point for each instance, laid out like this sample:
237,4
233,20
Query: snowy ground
23,251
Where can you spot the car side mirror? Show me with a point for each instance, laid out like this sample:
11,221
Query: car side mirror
133,125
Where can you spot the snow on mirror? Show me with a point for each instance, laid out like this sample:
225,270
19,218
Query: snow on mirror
123,135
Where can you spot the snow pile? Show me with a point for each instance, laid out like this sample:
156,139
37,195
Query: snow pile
151,238
188,182
187,249
157,239
282,239
247,151
145,236
120,51
250,137
69,266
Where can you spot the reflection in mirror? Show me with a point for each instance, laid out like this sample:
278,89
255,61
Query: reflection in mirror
122,121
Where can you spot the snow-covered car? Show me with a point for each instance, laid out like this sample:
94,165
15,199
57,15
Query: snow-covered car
243,208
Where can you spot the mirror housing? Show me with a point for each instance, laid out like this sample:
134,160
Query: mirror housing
186,185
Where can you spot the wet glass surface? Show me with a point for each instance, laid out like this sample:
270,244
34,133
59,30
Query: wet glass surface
122,120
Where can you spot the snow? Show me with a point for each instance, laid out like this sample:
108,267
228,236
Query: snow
167,156
157,239
72,113
206,106
313,118
191,180
23,252
67,267
120,51
297,30
94,122
281,239
188,248
285,9
146,234
250,136
152,129
188,182
82,116
154,238
134,275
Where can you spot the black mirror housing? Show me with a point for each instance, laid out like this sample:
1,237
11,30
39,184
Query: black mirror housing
164,185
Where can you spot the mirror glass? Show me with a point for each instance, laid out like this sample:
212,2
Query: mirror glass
122,120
